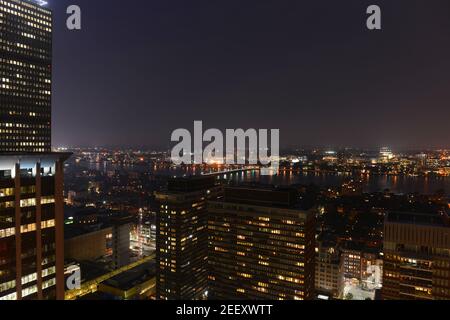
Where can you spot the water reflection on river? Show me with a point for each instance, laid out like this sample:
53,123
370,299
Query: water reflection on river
372,183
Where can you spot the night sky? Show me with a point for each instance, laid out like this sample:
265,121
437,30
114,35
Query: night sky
141,68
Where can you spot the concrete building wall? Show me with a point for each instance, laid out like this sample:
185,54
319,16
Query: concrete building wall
89,246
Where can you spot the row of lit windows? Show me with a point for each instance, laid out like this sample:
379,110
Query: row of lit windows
20,114
7,286
39,132
8,232
12,296
272,236
16,30
25,144
23,73
49,283
29,9
23,150
24,65
15,91
31,20
27,15
18,49
7,83
29,278
6,192
32,201
29,291
24,135
30,126
18,106
42,77
24,31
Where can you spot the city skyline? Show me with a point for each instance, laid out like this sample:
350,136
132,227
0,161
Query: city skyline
355,204
311,70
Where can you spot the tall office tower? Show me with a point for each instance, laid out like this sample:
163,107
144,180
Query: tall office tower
416,256
25,76
182,239
260,245
31,176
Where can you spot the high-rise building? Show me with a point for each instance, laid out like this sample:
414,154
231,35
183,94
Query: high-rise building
31,176
182,238
260,245
416,256
25,76
31,226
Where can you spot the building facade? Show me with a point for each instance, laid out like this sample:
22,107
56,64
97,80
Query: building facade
416,257
182,238
25,76
260,246
328,278
31,176
31,227
358,262
108,240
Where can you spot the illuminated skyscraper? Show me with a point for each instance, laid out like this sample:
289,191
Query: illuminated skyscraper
182,238
260,246
31,176
25,76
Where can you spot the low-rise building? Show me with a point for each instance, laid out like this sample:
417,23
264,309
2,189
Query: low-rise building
328,279
138,283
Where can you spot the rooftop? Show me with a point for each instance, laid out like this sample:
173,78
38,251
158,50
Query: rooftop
190,184
133,277
262,195
438,219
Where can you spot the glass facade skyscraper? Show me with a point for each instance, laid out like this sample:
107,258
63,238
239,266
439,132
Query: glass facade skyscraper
25,76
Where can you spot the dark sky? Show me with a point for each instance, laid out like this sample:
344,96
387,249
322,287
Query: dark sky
141,68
